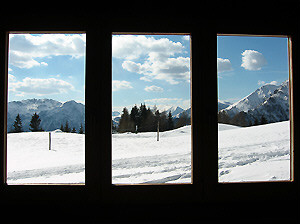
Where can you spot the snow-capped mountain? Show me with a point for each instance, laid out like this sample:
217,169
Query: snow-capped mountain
276,107
251,101
51,112
176,111
223,104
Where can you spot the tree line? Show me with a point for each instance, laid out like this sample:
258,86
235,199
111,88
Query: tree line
143,119
35,125
240,119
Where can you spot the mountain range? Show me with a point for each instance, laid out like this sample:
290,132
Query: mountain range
268,101
51,112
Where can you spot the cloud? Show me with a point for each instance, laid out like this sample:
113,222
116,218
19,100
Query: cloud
224,65
157,55
132,47
119,85
253,60
165,103
26,49
154,89
40,87
260,83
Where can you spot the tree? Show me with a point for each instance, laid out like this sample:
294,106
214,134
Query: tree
170,121
73,130
81,129
263,120
223,117
183,120
125,123
67,128
17,124
35,123
62,127
240,119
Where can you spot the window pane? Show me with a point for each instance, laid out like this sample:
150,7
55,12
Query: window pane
46,109
151,118
253,108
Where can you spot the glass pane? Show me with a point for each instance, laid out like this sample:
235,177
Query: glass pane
253,108
46,108
151,114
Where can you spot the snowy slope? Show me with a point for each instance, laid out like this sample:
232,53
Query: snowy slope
245,154
256,153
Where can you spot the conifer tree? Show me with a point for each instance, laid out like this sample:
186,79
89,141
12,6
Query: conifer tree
125,123
35,123
17,124
263,120
73,130
67,128
81,129
170,121
62,127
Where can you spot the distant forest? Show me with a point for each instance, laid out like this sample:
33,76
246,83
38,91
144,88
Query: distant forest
143,119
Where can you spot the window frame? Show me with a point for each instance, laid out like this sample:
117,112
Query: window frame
98,188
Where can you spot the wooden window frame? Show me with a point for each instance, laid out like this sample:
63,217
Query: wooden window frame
98,188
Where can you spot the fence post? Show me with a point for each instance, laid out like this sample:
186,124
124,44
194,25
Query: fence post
158,131
49,140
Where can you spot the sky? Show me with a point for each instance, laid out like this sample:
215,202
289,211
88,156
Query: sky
46,66
246,63
151,69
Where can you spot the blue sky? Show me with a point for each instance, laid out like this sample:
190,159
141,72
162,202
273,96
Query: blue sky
246,63
151,69
46,66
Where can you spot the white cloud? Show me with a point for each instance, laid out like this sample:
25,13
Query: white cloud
253,60
40,87
154,89
25,49
166,103
223,65
157,54
260,83
119,85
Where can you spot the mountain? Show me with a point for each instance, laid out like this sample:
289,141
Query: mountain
176,111
251,101
223,104
51,112
268,104
275,108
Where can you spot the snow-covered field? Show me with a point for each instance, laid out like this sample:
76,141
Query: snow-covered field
245,154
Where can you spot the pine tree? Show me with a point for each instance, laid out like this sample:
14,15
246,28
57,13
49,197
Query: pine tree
17,124
81,129
183,120
73,130
125,123
35,123
170,121
67,128
263,120
62,127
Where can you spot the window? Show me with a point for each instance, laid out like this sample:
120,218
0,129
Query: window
98,190
46,108
151,118
254,108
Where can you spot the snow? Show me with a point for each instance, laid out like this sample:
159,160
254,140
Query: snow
258,153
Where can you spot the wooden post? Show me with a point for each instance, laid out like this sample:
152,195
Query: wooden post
157,130
49,140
